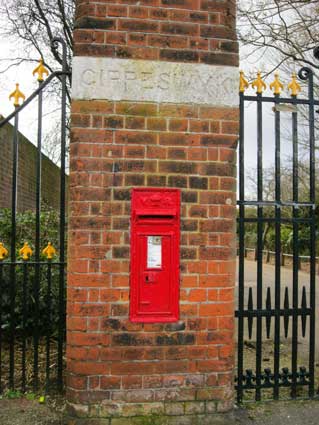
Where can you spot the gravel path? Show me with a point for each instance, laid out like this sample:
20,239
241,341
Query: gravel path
26,412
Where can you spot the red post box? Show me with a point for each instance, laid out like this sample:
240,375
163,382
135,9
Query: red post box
155,241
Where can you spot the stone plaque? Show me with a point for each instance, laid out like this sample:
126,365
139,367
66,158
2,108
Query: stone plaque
154,81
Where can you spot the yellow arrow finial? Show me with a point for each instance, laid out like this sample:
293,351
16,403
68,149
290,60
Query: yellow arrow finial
3,252
294,86
49,251
259,84
41,71
25,251
243,83
17,95
276,86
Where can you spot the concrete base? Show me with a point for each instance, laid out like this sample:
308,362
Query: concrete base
173,413
207,419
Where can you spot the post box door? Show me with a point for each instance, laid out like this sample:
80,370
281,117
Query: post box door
155,274
155,251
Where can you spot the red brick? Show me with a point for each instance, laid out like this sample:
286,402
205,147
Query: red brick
119,145
138,12
197,295
77,382
137,25
178,125
230,127
135,122
115,38
171,41
116,10
137,39
156,124
110,382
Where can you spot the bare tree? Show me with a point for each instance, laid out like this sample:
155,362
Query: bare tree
285,31
33,24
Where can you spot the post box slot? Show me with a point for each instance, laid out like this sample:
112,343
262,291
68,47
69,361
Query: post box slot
156,217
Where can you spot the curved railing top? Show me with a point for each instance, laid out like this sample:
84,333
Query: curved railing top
42,84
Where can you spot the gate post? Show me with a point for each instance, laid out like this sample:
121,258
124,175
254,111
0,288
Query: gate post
154,105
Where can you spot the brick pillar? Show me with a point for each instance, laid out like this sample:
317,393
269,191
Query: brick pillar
154,105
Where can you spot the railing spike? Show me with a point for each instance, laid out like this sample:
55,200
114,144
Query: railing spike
268,317
276,86
25,252
3,252
250,310
243,83
259,84
41,71
17,95
294,87
303,311
49,251
286,312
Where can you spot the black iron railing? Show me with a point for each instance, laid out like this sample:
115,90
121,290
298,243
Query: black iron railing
32,287
256,308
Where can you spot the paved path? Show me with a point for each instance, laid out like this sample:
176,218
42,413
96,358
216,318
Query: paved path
279,413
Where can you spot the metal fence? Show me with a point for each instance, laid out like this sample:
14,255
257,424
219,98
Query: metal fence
286,259
279,312
32,276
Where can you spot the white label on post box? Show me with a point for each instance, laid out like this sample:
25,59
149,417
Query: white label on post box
154,252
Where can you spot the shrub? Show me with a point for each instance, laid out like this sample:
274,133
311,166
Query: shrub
49,230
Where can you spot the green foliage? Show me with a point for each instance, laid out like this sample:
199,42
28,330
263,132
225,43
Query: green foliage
286,232
30,396
25,274
26,225
12,394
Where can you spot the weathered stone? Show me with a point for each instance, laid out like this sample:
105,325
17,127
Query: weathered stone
110,408
77,410
210,406
225,406
174,408
193,407
141,420
140,80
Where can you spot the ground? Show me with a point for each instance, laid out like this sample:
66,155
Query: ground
21,411
26,412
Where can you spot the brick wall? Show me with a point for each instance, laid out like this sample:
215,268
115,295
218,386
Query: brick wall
27,160
118,370
170,30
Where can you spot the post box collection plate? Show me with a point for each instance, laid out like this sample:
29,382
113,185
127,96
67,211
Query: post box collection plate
155,250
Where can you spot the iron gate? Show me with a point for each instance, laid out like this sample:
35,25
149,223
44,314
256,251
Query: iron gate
277,314
32,328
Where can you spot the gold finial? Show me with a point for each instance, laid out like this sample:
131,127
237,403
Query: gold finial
243,83
17,95
276,86
40,70
293,86
49,251
259,84
3,252
25,251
